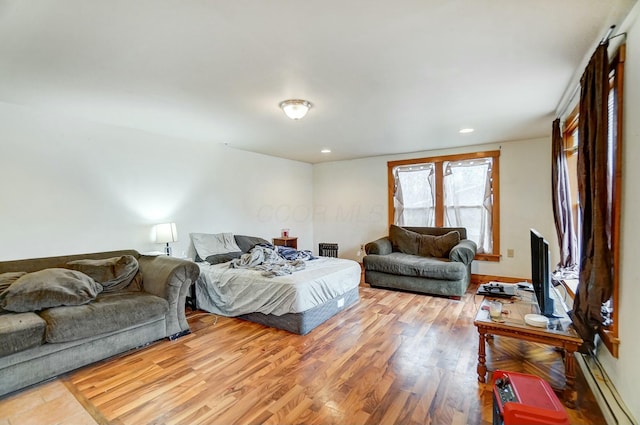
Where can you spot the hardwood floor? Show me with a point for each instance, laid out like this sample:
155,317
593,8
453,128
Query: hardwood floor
393,358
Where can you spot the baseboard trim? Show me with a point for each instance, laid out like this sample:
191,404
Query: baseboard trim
613,408
485,278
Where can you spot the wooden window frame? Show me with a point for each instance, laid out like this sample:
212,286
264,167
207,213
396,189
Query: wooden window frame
439,182
609,336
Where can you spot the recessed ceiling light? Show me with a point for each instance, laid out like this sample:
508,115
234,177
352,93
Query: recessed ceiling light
326,151
466,130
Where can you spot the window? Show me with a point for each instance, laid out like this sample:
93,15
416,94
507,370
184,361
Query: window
614,137
452,191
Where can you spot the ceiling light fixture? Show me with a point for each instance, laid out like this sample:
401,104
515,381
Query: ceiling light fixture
295,108
466,130
325,150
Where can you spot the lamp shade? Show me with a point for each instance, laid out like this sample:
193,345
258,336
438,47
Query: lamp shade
166,233
295,108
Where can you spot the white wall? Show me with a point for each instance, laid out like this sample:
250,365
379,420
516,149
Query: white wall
71,186
625,371
351,198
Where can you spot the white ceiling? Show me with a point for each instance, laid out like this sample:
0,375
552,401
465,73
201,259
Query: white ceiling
384,76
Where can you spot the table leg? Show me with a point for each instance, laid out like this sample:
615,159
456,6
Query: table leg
570,394
482,359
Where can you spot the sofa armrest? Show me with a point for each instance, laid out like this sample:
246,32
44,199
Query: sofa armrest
463,252
170,278
380,246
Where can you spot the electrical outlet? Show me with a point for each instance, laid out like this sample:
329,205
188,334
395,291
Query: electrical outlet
510,253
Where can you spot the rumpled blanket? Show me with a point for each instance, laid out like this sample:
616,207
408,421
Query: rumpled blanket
293,254
268,260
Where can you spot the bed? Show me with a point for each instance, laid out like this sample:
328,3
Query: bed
296,302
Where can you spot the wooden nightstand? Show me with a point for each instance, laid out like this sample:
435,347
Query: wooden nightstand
288,241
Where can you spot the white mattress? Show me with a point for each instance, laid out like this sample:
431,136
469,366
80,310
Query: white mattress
233,292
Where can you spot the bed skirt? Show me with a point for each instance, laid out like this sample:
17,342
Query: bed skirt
304,322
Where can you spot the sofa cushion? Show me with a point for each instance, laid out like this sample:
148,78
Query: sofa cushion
113,274
107,313
438,246
19,331
401,264
403,240
413,243
49,288
6,279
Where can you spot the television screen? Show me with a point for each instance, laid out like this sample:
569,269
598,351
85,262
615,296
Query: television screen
541,273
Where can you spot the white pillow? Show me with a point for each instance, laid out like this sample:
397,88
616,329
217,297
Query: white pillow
207,244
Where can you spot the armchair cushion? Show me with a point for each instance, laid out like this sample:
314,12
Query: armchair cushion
401,264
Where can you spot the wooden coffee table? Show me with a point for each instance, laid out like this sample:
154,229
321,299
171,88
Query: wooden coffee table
559,333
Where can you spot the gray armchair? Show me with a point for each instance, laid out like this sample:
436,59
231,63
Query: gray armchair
430,260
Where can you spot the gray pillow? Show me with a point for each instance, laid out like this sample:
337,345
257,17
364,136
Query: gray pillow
438,246
113,274
6,279
404,240
49,288
223,258
245,243
414,243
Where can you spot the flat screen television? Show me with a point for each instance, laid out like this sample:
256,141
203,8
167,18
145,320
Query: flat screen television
541,273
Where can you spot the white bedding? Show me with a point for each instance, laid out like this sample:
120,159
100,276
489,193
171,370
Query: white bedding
233,292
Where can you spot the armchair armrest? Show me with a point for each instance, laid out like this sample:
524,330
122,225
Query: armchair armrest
380,246
463,252
170,278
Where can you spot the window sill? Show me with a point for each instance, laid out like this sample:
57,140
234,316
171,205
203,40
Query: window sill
487,257
571,285
610,341
609,338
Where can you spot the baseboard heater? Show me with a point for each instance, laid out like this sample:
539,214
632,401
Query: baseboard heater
328,249
613,408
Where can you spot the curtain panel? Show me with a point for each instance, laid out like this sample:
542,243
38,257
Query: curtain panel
561,198
596,274
398,199
468,199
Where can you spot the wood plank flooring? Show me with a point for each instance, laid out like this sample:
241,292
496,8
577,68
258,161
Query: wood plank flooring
392,358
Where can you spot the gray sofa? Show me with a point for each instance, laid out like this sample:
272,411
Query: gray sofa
37,345
430,260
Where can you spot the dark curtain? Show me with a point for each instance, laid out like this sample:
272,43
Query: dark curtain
562,203
596,274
